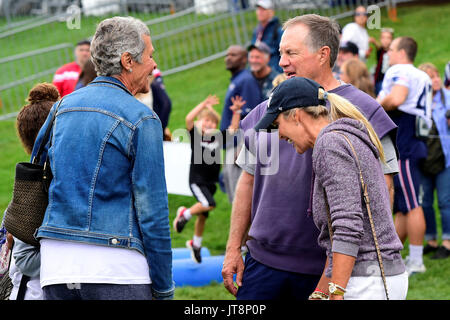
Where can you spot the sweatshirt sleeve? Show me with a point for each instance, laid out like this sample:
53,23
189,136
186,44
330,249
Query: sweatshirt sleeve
27,258
337,171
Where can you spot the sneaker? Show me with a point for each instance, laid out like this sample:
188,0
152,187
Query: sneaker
195,251
441,253
180,221
429,248
413,268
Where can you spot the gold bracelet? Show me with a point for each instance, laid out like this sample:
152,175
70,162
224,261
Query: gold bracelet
318,295
336,289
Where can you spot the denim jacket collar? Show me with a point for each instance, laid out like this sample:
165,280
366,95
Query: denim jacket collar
111,80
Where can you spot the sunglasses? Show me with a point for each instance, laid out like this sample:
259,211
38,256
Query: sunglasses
361,14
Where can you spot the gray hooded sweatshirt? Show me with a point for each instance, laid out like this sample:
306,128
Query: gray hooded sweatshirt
337,173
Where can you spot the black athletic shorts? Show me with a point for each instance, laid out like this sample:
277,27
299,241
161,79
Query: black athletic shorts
204,193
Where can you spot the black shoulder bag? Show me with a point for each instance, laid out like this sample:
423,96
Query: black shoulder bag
26,210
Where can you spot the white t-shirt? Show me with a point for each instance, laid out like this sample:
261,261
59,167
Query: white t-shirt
358,35
419,99
74,262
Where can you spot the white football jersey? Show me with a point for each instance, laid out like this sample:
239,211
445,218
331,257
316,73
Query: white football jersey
420,95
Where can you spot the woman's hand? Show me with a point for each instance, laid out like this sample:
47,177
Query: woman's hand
318,295
322,286
336,297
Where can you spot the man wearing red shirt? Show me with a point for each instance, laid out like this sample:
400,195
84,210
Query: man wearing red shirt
66,77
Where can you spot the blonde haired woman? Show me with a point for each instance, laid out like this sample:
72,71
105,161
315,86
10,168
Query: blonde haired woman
354,71
346,155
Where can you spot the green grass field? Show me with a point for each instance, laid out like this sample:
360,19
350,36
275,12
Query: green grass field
427,24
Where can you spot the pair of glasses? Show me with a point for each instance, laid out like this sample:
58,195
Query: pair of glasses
361,14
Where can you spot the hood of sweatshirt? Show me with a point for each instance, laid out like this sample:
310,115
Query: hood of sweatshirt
351,127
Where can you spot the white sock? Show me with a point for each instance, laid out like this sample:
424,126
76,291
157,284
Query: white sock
416,254
187,214
197,242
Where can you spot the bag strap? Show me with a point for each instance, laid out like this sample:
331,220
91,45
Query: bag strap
22,287
23,281
369,212
37,157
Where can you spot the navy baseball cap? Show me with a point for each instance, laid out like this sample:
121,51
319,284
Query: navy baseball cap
261,46
296,92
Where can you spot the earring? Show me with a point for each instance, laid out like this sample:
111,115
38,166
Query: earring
130,70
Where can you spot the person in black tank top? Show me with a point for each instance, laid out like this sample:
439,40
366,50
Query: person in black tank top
206,146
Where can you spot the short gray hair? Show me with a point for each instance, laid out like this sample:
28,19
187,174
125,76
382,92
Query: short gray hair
323,31
113,37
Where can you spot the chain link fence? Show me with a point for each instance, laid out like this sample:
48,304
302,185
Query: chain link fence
37,39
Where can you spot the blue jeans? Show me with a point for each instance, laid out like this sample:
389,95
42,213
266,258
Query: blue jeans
97,291
440,183
261,282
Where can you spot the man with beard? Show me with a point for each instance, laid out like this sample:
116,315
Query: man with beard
258,59
242,84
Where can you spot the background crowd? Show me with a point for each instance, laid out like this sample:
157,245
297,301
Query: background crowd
414,135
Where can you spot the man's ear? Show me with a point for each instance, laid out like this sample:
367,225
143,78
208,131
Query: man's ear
126,61
324,55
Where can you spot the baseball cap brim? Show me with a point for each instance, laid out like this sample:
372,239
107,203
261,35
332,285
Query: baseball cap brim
261,47
296,92
266,122
251,47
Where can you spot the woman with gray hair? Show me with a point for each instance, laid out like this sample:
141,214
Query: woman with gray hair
105,234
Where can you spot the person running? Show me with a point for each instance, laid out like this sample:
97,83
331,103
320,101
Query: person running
206,143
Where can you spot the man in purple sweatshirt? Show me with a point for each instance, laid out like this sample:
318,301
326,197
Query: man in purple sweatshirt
273,192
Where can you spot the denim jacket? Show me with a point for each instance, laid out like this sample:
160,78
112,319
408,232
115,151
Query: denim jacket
108,186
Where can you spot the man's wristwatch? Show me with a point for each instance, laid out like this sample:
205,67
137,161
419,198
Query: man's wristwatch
335,289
